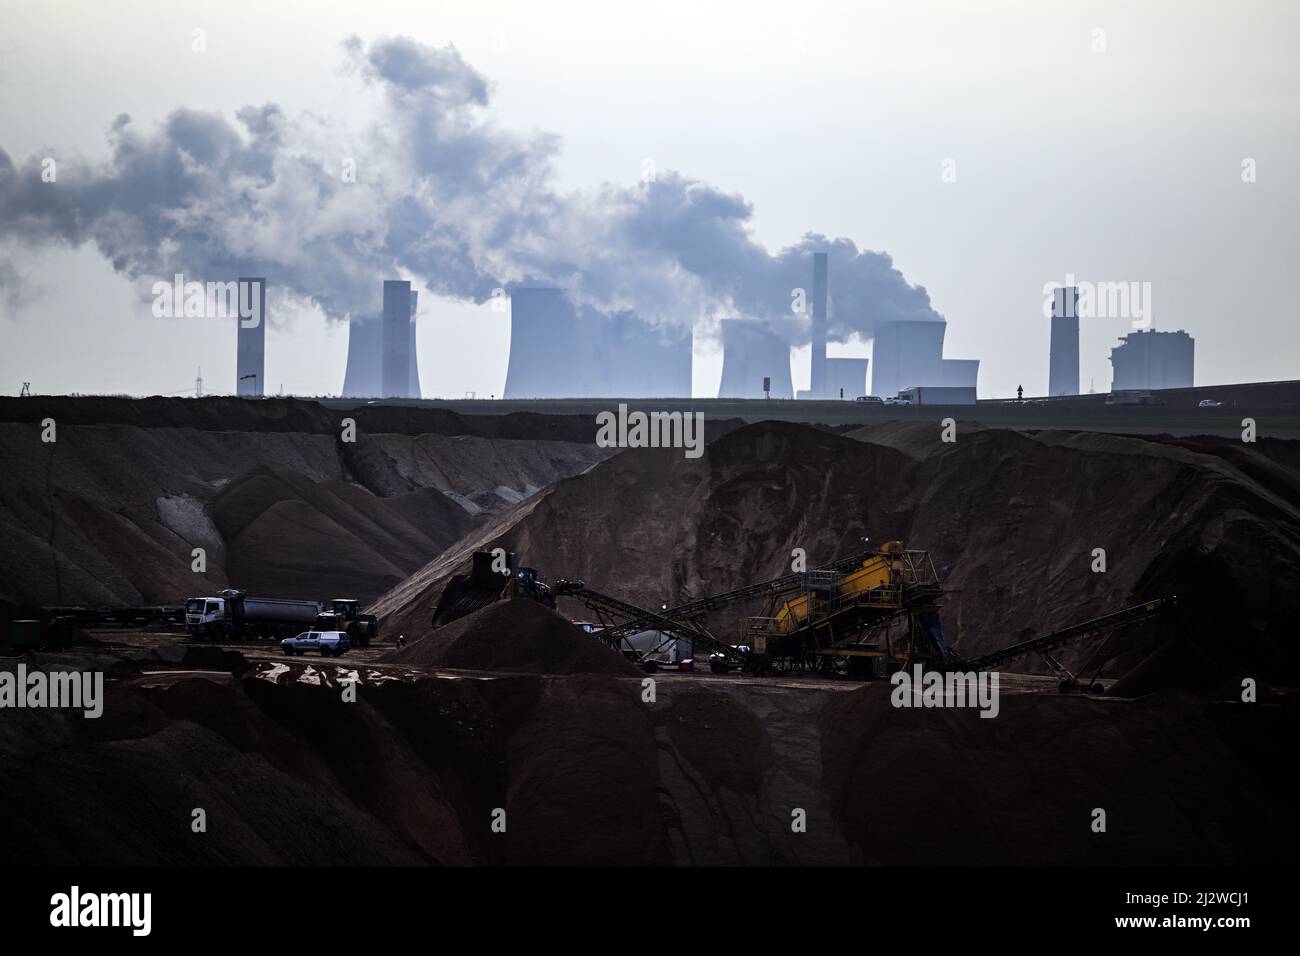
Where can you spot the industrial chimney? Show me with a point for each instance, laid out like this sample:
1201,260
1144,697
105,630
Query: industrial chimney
818,385
250,339
396,367
1063,358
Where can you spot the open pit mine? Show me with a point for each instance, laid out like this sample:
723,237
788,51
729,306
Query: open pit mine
485,639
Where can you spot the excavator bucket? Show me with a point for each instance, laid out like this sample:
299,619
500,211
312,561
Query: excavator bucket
466,593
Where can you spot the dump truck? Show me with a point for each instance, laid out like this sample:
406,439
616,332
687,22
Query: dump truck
233,615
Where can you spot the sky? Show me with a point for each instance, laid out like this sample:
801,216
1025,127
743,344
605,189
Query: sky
988,149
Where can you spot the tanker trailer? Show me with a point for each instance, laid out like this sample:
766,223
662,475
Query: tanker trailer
233,615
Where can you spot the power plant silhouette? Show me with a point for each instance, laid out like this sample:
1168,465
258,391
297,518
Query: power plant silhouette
562,349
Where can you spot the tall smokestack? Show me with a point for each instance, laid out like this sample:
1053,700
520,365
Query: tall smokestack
818,384
250,340
396,372
1063,358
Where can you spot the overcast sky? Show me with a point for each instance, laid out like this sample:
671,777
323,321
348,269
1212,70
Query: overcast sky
1103,140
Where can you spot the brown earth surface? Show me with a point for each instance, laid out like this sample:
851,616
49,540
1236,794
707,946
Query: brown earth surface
518,636
1011,520
110,512
590,769
509,710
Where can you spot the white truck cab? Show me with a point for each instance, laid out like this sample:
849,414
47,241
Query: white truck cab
201,613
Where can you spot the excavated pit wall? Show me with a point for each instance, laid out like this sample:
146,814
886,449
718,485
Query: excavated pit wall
587,771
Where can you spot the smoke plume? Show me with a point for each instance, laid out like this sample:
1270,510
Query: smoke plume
433,190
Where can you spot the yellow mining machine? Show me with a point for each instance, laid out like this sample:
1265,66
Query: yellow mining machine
877,615
866,615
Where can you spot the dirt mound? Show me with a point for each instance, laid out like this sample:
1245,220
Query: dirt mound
584,778
111,511
206,657
1012,522
720,737
589,770
517,636
1182,782
222,413
286,532
653,526
914,439
530,426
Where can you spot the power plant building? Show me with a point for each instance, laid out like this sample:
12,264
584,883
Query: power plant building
250,340
752,352
961,373
558,350
846,378
364,375
910,355
1063,369
1150,360
906,354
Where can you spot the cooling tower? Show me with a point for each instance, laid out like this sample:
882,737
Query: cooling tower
638,360
395,368
250,341
363,378
559,351
818,384
906,354
543,346
413,379
750,353
846,378
1063,358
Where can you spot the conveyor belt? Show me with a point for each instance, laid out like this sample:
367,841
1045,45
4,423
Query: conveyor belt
714,602
640,619
1129,615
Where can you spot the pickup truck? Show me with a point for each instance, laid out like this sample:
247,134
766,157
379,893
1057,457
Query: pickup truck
329,643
